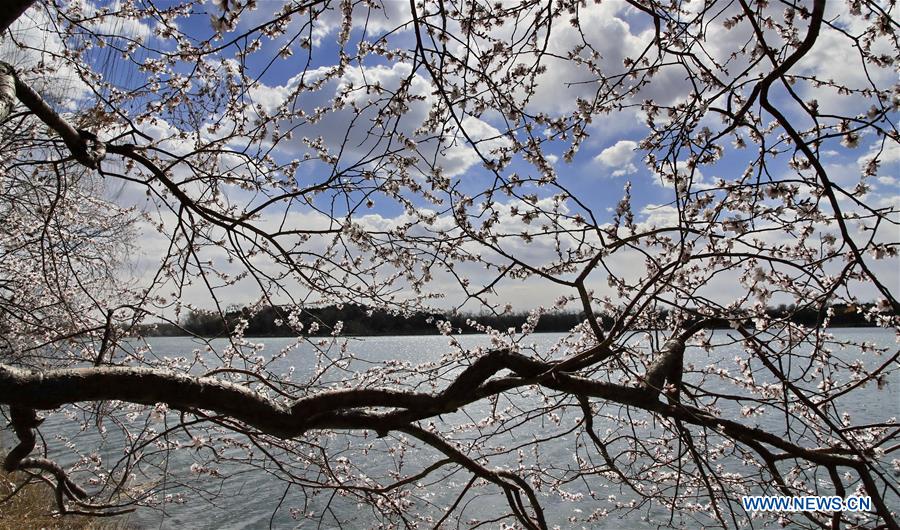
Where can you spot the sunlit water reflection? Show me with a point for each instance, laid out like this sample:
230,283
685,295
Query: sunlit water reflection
251,499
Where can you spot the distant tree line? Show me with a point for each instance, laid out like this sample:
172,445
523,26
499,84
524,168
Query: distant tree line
359,320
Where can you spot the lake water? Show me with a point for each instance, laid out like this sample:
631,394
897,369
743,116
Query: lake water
251,498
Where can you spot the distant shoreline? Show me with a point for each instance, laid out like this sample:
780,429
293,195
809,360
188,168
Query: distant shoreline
436,334
362,321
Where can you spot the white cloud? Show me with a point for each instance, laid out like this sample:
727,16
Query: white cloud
619,153
655,215
889,156
834,57
681,177
460,157
118,26
888,161
358,133
620,156
41,48
607,28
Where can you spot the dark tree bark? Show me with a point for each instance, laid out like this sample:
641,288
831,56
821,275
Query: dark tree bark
10,10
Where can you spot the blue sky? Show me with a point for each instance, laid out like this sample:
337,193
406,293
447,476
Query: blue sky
607,159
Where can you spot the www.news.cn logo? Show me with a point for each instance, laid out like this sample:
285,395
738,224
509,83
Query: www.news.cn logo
810,503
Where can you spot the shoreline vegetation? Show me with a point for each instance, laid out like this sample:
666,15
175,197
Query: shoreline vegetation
31,508
360,321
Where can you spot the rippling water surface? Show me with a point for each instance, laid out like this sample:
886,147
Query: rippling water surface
250,499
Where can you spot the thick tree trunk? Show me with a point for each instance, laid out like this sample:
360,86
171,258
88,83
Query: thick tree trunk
10,10
7,90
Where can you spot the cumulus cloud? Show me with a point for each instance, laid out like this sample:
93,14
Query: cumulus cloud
357,133
888,159
58,81
607,28
656,215
835,58
620,156
117,26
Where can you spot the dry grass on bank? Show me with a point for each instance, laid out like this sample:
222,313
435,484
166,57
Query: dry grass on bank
30,508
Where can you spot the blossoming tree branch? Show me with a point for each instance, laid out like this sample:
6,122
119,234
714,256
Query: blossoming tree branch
670,171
